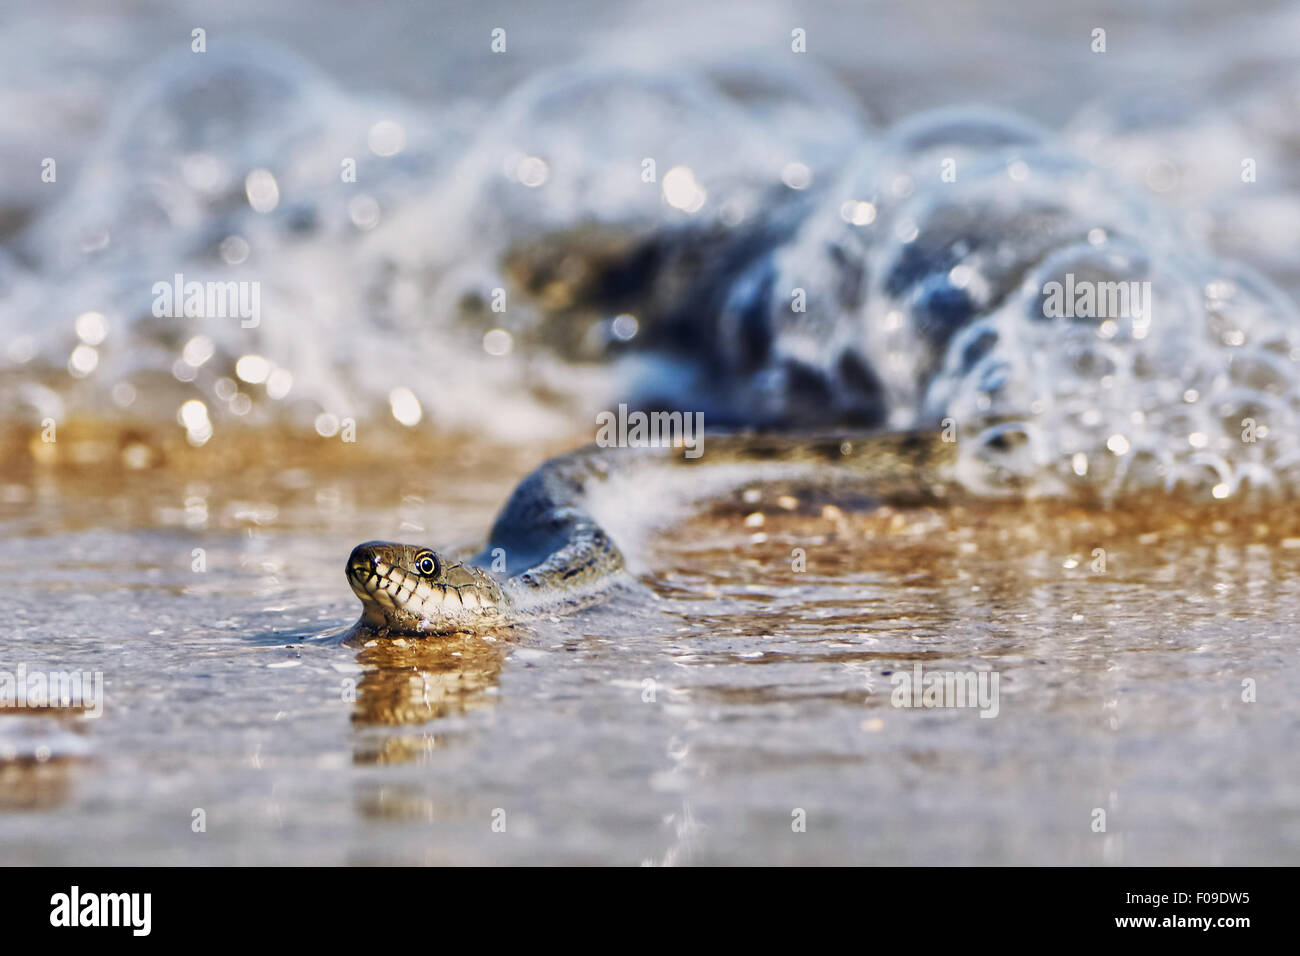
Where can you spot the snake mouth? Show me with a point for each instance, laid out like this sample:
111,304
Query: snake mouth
389,586
407,589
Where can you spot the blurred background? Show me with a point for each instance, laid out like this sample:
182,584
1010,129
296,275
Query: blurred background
388,281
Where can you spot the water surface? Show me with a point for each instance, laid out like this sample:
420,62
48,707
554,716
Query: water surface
687,720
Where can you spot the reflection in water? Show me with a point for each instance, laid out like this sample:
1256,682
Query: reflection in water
686,832
418,681
415,682
41,749
27,783
771,628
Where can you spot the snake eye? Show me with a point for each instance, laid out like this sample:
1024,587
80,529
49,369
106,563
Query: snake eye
427,565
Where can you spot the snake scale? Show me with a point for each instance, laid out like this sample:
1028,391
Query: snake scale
548,550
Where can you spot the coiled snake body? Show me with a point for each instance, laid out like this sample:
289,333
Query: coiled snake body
554,553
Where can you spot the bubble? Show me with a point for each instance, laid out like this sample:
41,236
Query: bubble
532,171
857,212
253,369
964,131
386,138
405,406
363,210
21,349
497,342
198,350
624,327
820,123
123,394
796,175
193,416
83,361
682,190
234,250
567,130
197,101
327,425
178,152
278,383
92,328
262,190
950,301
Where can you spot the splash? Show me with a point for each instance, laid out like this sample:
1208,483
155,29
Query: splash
714,240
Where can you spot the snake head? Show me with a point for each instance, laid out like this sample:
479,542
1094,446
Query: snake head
409,589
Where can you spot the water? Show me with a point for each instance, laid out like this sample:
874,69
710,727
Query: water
1120,690
185,533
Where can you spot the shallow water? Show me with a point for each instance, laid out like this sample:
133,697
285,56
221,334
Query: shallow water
769,691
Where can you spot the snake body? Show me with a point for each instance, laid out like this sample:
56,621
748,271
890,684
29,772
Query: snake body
549,551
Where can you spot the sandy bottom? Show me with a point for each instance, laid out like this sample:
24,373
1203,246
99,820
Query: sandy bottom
738,703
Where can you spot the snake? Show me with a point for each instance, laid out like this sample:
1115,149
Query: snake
550,549
728,341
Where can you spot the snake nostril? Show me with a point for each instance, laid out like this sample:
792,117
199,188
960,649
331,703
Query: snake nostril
362,560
